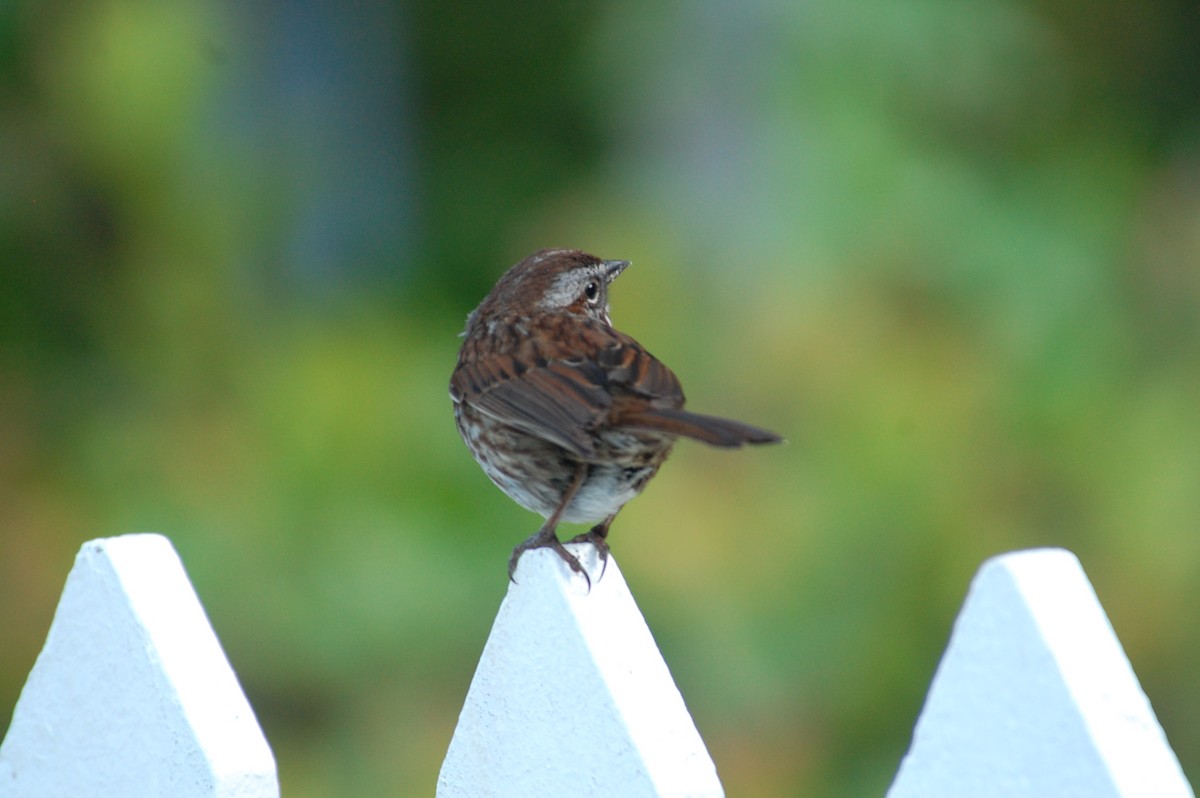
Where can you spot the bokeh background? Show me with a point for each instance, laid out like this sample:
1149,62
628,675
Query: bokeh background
951,250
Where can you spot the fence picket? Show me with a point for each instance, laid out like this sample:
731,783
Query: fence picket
572,697
1035,697
132,695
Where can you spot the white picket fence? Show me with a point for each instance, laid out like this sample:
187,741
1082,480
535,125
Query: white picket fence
132,695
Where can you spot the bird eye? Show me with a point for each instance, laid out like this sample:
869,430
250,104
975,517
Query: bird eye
592,291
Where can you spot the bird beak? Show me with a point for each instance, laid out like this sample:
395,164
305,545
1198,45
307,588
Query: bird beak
612,268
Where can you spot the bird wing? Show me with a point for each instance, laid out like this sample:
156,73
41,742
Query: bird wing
635,373
561,394
556,402
650,398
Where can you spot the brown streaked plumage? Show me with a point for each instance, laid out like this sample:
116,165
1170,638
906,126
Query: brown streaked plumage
568,416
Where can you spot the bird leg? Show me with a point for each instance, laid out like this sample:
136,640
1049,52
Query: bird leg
545,537
598,537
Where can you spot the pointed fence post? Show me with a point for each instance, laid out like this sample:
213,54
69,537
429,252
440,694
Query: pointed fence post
572,697
1035,697
131,695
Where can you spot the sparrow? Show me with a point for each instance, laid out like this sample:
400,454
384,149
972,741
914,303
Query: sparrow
567,415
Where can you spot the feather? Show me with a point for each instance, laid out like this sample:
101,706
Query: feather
723,432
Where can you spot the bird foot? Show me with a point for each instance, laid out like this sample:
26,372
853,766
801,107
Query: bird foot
546,539
598,537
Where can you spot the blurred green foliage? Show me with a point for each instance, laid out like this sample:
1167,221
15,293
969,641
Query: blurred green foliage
951,250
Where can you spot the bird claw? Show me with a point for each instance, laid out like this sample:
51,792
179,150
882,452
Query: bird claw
598,538
550,541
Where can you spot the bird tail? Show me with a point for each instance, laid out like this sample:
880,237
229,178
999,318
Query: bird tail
723,432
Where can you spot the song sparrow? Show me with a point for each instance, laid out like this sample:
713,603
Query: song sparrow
568,416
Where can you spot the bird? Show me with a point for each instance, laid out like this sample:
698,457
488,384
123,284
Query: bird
568,416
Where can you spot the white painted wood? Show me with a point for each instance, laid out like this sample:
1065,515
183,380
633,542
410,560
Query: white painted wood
132,695
572,698
1035,697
